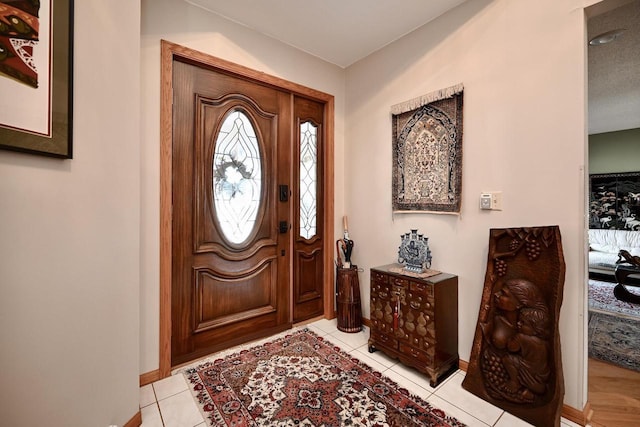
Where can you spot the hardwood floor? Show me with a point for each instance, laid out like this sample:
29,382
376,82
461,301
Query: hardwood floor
614,394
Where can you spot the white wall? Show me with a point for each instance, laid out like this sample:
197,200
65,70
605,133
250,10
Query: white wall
614,151
187,25
69,245
522,65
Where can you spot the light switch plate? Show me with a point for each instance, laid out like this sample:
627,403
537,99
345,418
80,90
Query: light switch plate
496,200
491,200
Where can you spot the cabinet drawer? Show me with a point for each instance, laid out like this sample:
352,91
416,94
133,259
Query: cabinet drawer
423,288
382,326
380,289
426,344
422,356
399,281
420,302
386,340
380,277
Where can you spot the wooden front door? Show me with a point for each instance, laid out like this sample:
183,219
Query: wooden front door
231,254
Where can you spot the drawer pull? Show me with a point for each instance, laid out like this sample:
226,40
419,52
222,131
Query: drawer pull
415,305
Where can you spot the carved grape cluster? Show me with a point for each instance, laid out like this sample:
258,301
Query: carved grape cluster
500,267
514,244
495,371
533,250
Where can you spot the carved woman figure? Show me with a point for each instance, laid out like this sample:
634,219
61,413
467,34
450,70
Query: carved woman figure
503,327
518,336
527,359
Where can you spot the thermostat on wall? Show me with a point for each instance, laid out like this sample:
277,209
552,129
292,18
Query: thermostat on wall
491,201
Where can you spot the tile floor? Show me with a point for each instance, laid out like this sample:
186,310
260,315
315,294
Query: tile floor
169,403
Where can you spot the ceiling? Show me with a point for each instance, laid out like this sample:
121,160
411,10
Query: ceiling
344,31
338,31
614,68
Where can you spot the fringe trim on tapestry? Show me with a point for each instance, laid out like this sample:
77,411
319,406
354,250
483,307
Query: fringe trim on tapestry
418,102
425,211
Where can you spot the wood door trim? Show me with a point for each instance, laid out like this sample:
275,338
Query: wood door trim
169,52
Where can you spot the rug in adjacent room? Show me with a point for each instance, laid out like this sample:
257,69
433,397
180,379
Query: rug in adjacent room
601,298
614,327
301,379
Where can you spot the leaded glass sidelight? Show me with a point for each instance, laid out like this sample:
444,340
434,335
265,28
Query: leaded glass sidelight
237,177
308,179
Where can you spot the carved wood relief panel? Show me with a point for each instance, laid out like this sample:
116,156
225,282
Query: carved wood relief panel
515,359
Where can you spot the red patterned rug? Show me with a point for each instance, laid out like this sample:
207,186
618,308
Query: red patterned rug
601,298
300,379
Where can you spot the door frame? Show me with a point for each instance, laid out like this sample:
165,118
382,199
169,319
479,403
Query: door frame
169,52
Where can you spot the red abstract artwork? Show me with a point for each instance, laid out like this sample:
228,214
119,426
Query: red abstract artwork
19,34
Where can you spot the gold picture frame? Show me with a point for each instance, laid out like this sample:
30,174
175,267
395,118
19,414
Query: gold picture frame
36,77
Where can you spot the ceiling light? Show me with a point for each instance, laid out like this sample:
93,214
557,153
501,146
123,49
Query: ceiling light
607,37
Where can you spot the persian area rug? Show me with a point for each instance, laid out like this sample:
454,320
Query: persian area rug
615,339
299,379
614,327
601,298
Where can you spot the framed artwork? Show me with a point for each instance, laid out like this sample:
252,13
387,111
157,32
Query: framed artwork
427,153
36,75
614,201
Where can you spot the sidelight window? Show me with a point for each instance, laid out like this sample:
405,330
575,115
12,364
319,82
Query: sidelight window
308,179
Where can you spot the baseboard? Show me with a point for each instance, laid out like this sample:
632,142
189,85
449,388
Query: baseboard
576,415
150,377
135,421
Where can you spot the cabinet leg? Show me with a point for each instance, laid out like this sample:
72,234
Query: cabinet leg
436,380
372,348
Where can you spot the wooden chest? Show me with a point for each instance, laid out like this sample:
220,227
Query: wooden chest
415,320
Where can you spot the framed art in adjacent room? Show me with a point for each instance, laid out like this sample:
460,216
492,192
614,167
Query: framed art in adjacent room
36,76
614,201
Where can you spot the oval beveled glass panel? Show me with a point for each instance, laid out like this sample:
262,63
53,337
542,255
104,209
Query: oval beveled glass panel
237,177
308,179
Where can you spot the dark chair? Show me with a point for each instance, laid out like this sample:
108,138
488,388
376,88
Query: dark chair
626,266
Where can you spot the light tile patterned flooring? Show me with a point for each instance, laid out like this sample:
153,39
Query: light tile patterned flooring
169,403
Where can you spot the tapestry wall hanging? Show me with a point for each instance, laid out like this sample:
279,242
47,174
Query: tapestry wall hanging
427,153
